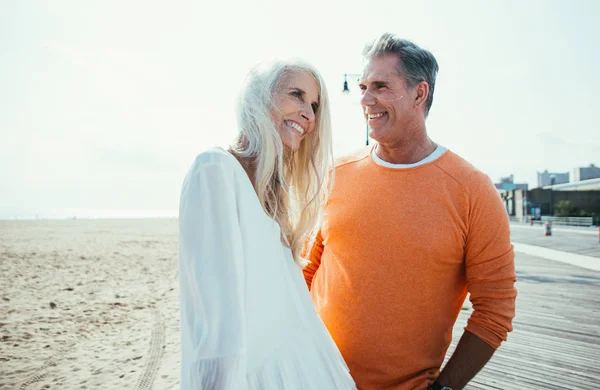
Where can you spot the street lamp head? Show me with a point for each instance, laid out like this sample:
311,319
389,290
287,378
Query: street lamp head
346,89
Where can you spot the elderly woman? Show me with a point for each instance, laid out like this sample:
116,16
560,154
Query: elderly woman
247,319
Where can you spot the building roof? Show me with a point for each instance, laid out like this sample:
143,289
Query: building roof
583,185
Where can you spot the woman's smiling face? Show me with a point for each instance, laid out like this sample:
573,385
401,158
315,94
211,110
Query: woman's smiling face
297,102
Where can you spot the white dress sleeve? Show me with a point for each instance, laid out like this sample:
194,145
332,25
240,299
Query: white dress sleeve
211,274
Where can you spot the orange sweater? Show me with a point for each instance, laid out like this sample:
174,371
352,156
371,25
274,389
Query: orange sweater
397,253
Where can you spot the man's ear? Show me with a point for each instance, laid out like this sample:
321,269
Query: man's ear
422,90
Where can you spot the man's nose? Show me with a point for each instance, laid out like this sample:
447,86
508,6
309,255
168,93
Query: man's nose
367,99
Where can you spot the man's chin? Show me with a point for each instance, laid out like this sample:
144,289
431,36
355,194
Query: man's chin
375,134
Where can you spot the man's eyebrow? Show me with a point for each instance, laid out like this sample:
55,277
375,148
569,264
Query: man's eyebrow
374,83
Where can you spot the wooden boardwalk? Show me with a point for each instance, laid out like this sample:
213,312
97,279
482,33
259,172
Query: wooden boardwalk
578,241
555,343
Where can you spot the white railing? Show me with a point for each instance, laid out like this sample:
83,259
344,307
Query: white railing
564,221
569,221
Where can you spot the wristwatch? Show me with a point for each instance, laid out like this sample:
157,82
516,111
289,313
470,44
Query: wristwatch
437,386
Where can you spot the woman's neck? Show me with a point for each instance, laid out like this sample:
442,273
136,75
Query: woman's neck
249,165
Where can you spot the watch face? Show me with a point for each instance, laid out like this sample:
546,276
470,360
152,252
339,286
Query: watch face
445,388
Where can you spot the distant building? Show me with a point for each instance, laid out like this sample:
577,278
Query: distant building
545,178
585,173
508,183
543,201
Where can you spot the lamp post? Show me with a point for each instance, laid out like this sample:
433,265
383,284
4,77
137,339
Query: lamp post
552,181
524,219
347,90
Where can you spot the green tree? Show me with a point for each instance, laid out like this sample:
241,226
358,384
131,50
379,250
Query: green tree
564,208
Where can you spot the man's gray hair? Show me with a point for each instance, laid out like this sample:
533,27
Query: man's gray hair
415,64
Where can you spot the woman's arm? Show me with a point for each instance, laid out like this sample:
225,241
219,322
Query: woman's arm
211,273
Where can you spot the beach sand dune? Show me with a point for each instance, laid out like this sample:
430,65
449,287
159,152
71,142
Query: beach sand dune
89,303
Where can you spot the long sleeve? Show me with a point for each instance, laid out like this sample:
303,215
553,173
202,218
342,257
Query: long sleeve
211,273
490,265
313,254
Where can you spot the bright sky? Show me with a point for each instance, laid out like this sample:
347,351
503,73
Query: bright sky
103,105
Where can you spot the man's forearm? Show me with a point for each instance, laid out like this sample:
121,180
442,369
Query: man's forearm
470,356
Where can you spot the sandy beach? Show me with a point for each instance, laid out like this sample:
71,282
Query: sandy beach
89,303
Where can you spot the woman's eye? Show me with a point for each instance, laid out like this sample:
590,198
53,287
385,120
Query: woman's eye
315,107
296,94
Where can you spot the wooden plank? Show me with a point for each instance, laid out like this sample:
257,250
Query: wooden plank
556,339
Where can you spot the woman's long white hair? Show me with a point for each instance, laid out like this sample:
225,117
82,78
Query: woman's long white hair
292,186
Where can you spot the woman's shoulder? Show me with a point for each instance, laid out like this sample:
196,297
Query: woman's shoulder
214,165
215,155
215,159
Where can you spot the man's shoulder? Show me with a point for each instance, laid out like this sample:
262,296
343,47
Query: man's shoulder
461,170
353,157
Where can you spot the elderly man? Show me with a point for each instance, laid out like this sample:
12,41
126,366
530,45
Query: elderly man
409,230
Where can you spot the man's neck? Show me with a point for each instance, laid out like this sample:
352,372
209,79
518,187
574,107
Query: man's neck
409,152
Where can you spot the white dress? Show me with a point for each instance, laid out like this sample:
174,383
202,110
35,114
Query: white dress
247,318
